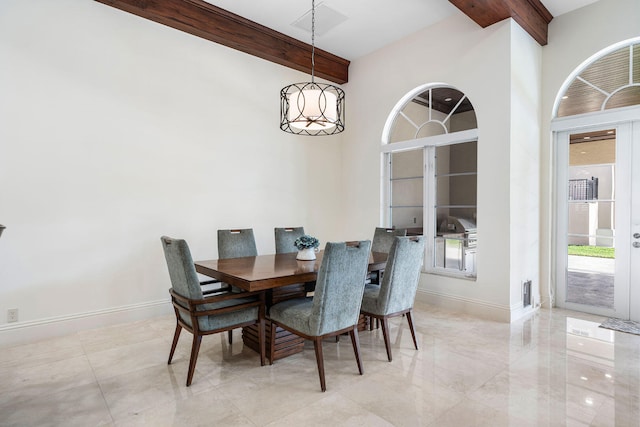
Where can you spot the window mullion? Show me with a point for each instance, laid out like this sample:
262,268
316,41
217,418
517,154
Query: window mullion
429,211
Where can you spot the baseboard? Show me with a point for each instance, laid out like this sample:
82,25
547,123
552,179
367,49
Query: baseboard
482,309
25,332
519,311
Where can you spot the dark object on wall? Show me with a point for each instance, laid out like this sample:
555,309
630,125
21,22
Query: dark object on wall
2,227
583,189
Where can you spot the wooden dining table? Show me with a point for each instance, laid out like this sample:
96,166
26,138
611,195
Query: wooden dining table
282,277
258,273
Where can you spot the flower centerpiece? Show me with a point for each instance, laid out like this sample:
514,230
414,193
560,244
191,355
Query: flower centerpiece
307,246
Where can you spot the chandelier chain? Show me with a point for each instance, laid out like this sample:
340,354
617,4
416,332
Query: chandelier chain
313,39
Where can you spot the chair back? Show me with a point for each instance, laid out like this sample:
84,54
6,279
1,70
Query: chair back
236,243
339,287
401,275
285,237
383,238
182,271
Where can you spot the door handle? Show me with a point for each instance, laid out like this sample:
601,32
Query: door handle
636,244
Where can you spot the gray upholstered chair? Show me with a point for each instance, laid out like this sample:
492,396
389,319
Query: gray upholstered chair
335,307
285,237
396,294
201,315
383,238
382,241
236,243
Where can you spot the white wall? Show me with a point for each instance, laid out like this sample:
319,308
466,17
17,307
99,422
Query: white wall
115,130
477,62
526,69
573,38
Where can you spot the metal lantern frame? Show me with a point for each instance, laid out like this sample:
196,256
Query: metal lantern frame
319,124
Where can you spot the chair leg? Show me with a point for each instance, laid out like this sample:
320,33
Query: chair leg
413,331
230,333
195,348
385,333
176,335
262,339
317,343
272,349
355,341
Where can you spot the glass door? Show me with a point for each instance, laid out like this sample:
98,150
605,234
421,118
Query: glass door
634,234
597,211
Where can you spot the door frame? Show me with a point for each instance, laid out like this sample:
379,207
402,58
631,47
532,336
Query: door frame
625,121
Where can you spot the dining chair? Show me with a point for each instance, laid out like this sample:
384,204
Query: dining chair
335,306
236,243
382,241
383,238
285,237
219,311
396,294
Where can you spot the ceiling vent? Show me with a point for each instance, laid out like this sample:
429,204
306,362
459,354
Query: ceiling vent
326,20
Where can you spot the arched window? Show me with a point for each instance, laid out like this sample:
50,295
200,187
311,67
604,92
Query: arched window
429,152
610,80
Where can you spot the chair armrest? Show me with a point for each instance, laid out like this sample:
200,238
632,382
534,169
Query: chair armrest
191,305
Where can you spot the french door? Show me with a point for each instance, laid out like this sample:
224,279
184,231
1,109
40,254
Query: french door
597,221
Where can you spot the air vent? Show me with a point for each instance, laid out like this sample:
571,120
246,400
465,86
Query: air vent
526,293
326,20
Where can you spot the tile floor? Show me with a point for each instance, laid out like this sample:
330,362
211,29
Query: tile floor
556,368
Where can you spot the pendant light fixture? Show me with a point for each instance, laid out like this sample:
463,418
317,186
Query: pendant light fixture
312,108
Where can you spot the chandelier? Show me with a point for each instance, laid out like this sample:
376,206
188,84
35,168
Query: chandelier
312,108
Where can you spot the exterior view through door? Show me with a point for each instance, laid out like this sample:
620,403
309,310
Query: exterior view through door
591,219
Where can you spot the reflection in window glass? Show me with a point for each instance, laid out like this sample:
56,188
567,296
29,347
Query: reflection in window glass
407,189
455,209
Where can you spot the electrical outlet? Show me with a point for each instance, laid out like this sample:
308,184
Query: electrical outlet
12,315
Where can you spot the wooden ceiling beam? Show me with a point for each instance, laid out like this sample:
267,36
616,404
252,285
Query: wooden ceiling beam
205,20
531,15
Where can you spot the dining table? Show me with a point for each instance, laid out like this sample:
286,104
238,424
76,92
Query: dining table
281,277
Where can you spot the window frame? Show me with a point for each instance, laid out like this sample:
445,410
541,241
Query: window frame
428,146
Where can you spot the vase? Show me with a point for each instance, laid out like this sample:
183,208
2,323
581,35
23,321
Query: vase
308,254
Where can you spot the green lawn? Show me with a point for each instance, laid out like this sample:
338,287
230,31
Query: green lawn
595,251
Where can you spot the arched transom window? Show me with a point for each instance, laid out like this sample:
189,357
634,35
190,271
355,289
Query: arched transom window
609,81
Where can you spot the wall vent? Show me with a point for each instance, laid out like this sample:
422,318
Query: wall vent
526,293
